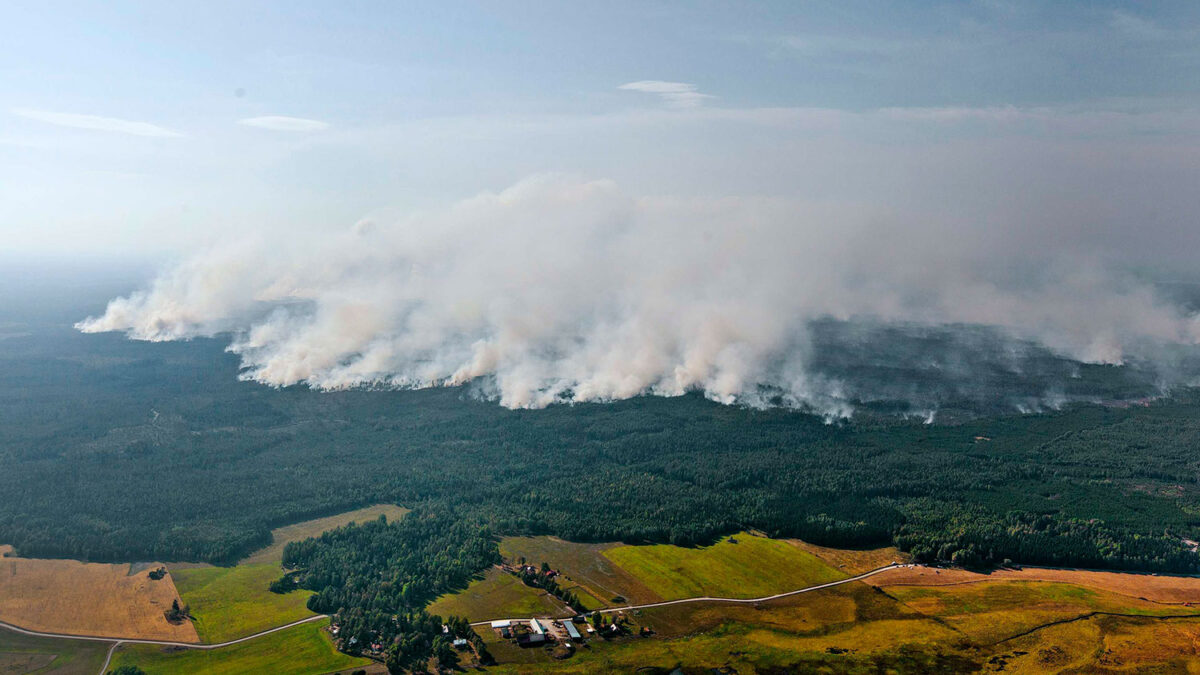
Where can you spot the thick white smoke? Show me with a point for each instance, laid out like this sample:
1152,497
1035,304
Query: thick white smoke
562,289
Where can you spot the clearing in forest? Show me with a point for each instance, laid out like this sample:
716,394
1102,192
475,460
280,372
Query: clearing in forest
68,596
740,566
306,648
498,595
280,536
233,602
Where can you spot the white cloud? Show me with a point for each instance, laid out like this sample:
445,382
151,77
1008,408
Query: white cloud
679,94
97,123
284,123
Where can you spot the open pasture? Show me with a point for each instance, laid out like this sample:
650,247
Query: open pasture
232,602
281,536
21,654
853,561
497,595
583,565
739,566
67,596
299,650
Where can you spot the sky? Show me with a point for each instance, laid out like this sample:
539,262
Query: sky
158,128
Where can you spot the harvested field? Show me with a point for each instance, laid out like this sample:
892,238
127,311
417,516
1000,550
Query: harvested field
583,565
497,595
853,562
67,596
740,566
1160,589
313,528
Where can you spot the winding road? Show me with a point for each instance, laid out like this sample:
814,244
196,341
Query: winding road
765,598
116,642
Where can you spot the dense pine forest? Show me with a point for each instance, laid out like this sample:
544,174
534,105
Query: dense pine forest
122,450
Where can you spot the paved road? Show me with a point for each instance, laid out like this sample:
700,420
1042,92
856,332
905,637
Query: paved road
765,598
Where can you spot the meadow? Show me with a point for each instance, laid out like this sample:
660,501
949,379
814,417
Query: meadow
299,650
282,536
232,602
496,595
739,566
23,654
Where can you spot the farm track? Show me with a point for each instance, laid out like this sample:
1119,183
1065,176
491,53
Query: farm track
765,598
116,642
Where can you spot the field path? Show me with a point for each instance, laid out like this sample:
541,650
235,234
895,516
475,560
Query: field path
765,598
165,643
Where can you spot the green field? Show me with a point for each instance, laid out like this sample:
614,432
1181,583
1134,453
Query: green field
498,595
752,567
583,568
24,654
232,602
302,649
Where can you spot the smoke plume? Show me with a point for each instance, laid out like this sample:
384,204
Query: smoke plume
559,289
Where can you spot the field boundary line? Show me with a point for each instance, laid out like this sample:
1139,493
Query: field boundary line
164,643
766,598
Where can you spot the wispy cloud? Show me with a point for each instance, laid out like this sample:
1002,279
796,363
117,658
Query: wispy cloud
97,123
679,94
284,123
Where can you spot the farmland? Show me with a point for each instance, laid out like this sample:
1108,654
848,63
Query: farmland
740,566
232,602
23,654
302,649
66,596
496,595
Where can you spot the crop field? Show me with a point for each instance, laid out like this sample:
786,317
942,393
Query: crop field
853,562
232,602
1160,589
24,654
497,595
67,596
584,566
313,528
303,649
741,566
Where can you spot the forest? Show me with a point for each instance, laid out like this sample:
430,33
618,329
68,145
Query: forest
156,451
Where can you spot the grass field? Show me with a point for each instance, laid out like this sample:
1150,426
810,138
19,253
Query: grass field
854,562
67,596
305,649
754,566
313,528
497,595
23,654
584,567
232,602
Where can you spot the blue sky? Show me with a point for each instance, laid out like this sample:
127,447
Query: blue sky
158,127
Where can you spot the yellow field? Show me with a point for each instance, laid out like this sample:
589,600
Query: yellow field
498,595
66,596
313,528
853,562
742,566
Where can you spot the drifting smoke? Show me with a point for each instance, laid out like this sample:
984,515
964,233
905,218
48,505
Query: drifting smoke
565,290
